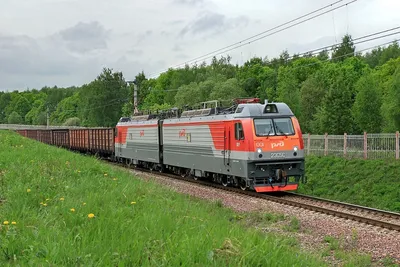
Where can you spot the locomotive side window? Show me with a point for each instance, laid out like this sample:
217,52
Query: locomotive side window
239,133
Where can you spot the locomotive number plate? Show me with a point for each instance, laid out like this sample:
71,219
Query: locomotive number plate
278,155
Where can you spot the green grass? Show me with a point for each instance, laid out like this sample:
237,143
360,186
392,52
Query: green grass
135,223
373,183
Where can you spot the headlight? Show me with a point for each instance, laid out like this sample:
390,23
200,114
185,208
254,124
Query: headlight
259,150
295,148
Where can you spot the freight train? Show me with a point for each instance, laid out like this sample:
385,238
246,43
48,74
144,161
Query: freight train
250,145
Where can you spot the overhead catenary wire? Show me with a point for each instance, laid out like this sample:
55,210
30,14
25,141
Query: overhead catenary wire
348,54
278,31
251,37
329,59
241,44
355,39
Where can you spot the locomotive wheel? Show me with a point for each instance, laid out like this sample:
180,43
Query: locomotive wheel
224,180
184,173
129,163
243,184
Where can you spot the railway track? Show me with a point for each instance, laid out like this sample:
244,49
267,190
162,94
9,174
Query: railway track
392,216
366,215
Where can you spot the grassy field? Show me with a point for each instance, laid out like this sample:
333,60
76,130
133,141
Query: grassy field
64,209
373,183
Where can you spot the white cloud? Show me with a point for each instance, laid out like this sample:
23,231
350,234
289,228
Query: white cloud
214,23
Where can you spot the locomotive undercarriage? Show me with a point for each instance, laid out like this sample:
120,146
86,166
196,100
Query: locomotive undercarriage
225,180
272,175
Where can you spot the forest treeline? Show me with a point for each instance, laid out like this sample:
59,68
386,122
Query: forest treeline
333,91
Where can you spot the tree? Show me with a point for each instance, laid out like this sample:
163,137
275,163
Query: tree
391,52
155,96
188,95
366,109
304,68
102,99
222,66
254,77
15,118
344,50
381,55
55,95
35,115
288,89
313,91
5,99
74,121
67,108
334,116
19,104
323,55
391,104
227,90
372,58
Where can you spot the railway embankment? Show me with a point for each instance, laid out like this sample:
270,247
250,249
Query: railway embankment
373,183
62,208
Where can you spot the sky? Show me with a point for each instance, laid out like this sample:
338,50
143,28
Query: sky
69,42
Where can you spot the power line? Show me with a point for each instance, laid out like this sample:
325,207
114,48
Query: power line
345,55
355,39
338,57
314,51
278,31
249,38
240,44
332,47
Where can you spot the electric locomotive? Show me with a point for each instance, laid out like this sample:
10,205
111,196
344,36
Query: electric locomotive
251,145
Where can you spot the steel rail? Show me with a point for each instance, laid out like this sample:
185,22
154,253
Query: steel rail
379,212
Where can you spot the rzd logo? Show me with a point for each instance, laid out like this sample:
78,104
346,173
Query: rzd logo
141,133
182,133
281,144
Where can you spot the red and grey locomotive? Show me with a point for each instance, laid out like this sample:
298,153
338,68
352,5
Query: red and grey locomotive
252,145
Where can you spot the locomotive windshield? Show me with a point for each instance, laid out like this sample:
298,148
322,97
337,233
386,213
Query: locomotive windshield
278,126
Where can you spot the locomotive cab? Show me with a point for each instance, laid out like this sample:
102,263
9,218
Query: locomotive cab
275,160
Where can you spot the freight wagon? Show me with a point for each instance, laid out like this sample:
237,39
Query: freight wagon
98,141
